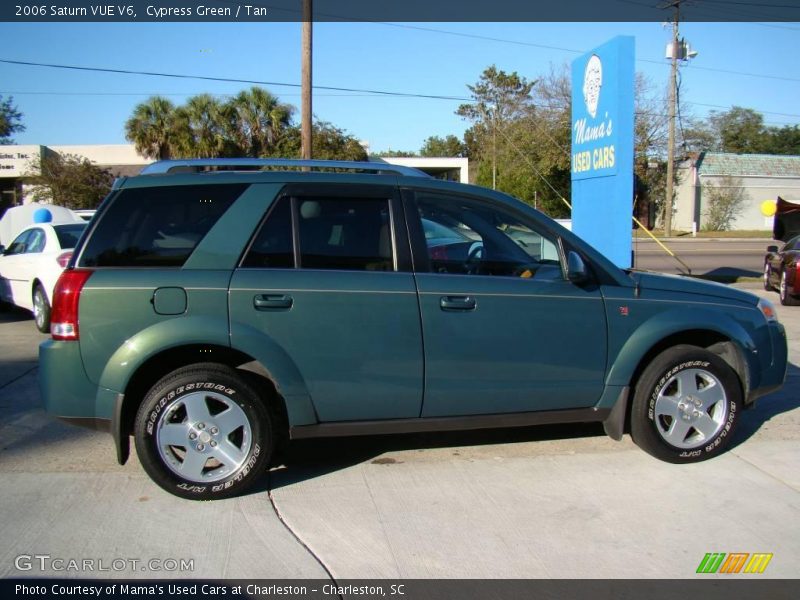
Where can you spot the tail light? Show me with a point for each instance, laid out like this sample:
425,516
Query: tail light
64,316
796,278
63,259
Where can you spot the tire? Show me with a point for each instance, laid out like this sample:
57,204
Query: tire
202,433
667,420
41,309
767,274
787,299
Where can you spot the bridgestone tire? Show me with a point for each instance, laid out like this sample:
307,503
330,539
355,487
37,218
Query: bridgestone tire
686,405
202,433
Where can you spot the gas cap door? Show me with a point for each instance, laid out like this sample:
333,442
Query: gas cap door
169,301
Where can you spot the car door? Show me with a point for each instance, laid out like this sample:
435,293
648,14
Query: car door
777,260
328,280
504,330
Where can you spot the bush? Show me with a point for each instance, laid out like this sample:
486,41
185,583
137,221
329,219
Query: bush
724,203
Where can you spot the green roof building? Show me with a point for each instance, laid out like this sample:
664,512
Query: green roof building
760,177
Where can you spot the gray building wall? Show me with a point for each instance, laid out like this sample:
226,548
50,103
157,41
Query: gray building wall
691,201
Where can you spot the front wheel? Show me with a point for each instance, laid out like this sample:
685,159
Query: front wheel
767,276
686,405
202,433
41,309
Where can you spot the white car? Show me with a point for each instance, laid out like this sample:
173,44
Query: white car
32,263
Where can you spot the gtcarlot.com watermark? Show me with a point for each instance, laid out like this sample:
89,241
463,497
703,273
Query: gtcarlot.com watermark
48,563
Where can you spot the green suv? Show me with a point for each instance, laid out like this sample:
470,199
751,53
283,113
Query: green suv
215,308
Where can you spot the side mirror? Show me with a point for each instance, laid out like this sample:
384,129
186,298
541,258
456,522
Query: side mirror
772,249
576,268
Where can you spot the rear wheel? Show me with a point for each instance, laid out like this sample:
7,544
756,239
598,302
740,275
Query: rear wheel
202,433
787,299
686,405
41,309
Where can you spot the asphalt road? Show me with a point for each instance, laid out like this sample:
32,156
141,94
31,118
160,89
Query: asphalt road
742,257
540,502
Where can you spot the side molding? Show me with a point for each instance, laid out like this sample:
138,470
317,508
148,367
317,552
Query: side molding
418,425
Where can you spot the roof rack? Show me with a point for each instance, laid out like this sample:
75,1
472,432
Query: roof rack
202,164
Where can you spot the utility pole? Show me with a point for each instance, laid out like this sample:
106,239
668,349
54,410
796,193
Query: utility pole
305,113
673,83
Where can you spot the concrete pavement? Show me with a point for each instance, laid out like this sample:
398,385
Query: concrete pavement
554,502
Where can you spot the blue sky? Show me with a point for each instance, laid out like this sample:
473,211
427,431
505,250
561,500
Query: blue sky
73,107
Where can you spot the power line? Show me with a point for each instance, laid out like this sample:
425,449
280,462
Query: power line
516,42
549,107
356,91
181,94
756,4
227,80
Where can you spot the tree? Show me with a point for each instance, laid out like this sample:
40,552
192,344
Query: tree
204,128
10,120
650,149
739,130
254,124
151,128
259,122
724,203
330,143
783,140
498,98
69,180
396,154
449,146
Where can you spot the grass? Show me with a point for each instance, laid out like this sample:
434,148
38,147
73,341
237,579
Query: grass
739,234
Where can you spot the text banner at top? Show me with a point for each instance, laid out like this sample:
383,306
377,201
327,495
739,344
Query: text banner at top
398,11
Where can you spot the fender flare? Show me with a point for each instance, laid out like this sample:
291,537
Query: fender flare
675,322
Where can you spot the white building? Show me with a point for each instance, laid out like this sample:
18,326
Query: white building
762,176
16,162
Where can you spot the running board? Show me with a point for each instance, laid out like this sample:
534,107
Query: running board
430,424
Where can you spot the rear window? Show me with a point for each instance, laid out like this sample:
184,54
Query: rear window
156,226
68,235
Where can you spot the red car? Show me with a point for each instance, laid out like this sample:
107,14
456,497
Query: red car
781,265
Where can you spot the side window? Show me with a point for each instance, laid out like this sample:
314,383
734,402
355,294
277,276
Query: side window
157,226
36,241
20,244
273,247
348,234
467,237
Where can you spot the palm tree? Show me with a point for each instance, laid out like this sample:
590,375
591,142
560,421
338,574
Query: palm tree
260,121
202,128
151,128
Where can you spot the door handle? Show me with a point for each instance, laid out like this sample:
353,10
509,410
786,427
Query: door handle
457,303
270,301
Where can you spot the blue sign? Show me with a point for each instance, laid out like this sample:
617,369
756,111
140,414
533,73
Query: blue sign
602,148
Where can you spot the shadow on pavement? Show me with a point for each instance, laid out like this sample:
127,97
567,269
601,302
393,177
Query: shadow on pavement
732,273
13,314
301,460
784,400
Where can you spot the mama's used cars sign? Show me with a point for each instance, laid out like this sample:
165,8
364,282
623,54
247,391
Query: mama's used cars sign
602,148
